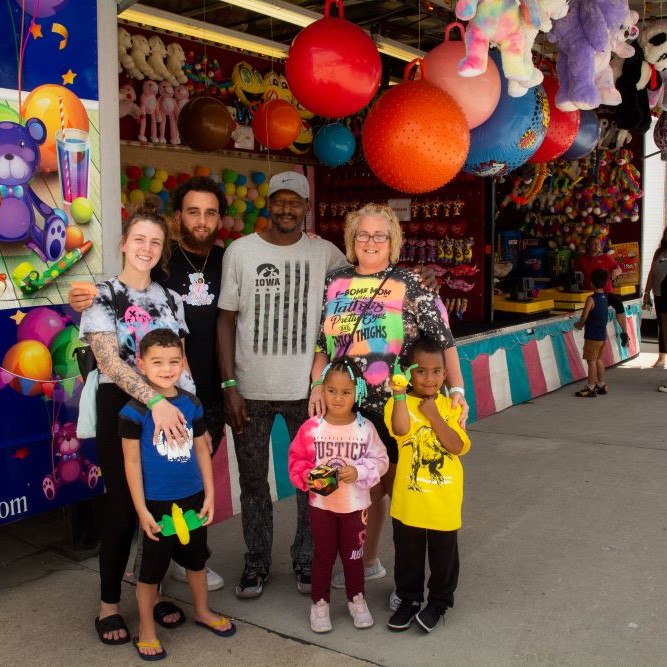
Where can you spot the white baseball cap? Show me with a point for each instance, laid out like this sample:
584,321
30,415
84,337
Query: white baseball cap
290,180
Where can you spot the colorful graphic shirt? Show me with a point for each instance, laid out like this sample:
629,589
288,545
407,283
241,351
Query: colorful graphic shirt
169,471
428,488
400,313
136,313
318,442
277,292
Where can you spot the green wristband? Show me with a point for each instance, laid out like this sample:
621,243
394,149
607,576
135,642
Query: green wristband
316,383
154,400
228,383
399,397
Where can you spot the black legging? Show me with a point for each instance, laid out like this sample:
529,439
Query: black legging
119,517
660,312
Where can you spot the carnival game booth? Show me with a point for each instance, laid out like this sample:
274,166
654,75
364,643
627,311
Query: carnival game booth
473,149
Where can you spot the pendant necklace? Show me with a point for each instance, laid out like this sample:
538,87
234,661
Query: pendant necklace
198,274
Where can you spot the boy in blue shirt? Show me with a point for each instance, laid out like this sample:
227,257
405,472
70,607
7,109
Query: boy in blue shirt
171,483
593,320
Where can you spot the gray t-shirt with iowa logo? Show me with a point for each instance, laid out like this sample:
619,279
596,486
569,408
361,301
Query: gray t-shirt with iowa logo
277,292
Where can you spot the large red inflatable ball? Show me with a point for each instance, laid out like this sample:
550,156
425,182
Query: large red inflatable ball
478,96
276,124
563,126
415,137
333,67
205,124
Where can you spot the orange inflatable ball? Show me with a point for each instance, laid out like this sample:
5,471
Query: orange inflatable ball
73,237
261,224
276,124
31,361
44,102
415,137
205,124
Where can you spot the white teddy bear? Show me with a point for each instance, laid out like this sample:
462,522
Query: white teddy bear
125,62
139,53
156,60
175,62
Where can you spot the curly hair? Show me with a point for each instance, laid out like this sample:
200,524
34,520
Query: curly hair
373,210
197,184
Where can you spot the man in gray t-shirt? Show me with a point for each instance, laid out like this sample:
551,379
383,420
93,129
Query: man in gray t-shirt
270,308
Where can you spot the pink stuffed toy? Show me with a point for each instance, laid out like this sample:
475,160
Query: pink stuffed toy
579,35
497,22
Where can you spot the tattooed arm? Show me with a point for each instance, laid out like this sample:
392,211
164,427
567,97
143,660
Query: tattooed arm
166,416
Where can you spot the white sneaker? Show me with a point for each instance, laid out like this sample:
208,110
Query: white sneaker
214,581
663,388
319,617
371,572
394,601
359,612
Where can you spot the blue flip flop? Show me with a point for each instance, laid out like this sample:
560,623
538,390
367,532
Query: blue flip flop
216,626
148,656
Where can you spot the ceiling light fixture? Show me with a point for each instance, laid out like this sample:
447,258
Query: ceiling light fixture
397,50
157,18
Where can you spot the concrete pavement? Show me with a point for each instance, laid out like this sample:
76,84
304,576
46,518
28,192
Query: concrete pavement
563,550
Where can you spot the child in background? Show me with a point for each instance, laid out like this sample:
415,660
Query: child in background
593,321
349,443
428,488
163,475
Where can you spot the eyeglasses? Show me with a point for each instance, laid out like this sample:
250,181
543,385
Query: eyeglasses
365,237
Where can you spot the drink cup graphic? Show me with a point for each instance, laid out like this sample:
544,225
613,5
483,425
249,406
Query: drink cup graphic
73,148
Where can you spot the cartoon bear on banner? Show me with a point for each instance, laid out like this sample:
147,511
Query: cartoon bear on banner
19,162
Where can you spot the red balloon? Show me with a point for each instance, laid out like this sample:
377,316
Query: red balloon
333,67
276,124
205,124
415,137
563,126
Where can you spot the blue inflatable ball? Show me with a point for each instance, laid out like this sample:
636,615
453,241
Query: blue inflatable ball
264,212
587,137
242,179
249,207
334,145
511,135
149,171
258,177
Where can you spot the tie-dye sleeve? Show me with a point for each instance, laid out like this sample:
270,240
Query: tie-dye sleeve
432,319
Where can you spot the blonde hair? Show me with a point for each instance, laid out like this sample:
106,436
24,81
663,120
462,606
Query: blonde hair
373,211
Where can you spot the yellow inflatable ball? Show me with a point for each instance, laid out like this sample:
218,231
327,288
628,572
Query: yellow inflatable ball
260,202
161,175
263,189
241,191
137,197
230,188
239,205
123,198
156,185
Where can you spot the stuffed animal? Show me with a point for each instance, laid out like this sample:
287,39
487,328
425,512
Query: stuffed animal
182,96
549,10
125,61
583,31
617,44
148,106
639,76
167,113
19,161
127,105
139,52
175,62
156,61
496,22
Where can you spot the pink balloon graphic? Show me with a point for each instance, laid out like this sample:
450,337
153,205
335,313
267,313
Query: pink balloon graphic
42,9
41,324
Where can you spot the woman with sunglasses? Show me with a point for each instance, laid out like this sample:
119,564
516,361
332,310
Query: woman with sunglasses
374,311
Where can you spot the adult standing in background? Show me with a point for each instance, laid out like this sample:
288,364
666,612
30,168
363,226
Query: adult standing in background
193,271
655,282
270,305
593,259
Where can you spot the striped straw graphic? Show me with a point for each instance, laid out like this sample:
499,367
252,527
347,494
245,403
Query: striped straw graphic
67,195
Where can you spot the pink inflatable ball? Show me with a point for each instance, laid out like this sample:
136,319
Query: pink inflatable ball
238,225
253,194
333,67
227,222
41,324
229,199
478,96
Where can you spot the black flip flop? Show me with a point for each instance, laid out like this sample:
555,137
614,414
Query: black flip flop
168,608
112,623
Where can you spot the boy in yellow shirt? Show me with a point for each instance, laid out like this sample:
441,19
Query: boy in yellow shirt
428,489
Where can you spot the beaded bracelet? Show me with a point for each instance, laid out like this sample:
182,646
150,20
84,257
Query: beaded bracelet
156,399
228,383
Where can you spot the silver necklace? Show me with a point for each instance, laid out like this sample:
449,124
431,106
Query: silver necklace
198,273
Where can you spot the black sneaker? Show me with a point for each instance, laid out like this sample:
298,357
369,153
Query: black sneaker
601,390
625,340
302,572
252,582
429,616
402,618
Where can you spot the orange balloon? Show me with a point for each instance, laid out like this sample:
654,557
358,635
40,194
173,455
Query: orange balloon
276,124
44,103
415,137
28,359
